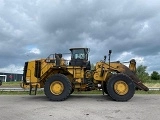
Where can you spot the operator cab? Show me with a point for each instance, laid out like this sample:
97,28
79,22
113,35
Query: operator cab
79,57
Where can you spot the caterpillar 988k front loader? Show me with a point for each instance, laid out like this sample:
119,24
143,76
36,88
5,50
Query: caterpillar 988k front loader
60,77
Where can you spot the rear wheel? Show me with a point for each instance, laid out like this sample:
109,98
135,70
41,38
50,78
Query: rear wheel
72,88
120,87
105,88
57,87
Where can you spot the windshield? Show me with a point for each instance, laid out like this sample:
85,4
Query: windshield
78,54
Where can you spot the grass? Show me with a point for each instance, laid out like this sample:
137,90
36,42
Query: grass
13,93
11,84
153,83
88,92
148,92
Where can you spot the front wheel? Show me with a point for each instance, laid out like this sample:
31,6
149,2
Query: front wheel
120,87
57,87
105,87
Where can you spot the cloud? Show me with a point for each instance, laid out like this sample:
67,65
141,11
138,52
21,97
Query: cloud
12,69
34,51
38,28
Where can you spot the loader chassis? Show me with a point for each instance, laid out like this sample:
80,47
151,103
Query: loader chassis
60,77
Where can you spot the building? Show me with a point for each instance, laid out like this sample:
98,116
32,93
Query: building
8,77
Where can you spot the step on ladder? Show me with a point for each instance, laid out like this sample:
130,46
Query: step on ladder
33,90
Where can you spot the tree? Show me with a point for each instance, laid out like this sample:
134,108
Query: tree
155,75
141,73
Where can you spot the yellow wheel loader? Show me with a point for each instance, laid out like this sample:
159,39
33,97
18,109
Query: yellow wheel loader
60,77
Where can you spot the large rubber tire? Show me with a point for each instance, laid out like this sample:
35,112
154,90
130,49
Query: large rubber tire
58,79
123,81
72,90
105,88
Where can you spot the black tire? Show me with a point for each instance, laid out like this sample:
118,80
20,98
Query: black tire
72,90
64,81
105,87
125,81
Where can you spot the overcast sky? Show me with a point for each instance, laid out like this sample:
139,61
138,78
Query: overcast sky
32,29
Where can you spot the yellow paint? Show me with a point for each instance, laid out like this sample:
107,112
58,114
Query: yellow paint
121,87
79,80
132,65
30,72
77,72
56,87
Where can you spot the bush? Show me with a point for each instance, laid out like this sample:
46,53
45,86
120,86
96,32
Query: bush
142,74
155,75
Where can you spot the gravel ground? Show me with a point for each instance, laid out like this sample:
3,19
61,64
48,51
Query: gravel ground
79,107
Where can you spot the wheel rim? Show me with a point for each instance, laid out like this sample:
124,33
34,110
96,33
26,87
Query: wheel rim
56,87
121,87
